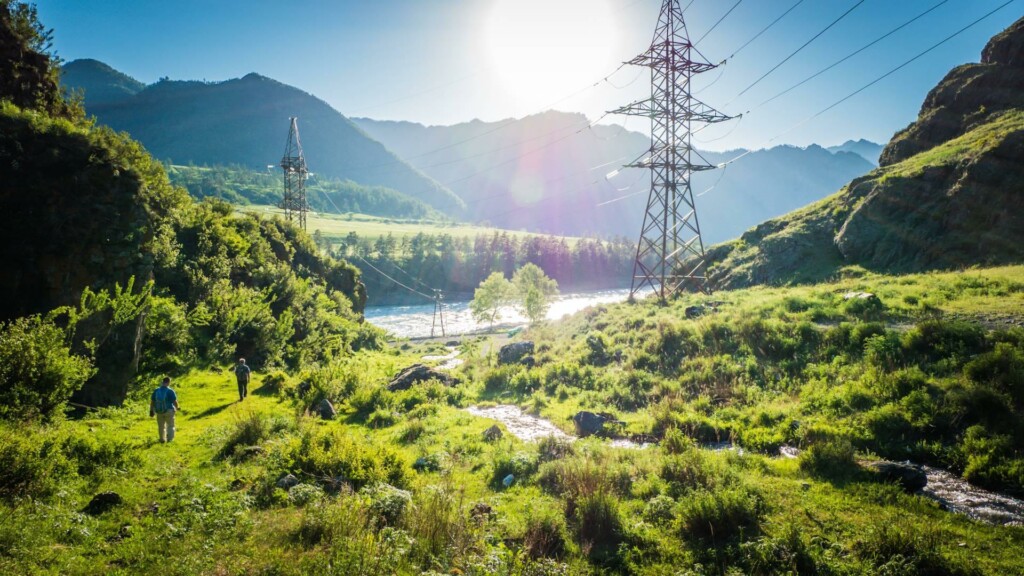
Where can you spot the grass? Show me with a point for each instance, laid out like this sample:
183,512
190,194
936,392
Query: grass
361,507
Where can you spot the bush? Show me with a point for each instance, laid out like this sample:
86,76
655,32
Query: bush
387,502
598,525
675,442
830,459
659,509
248,429
897,550
1001,369
545,535
303,494
720,516
38,372
519,464
330,453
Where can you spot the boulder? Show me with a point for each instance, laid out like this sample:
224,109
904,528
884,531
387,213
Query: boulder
514,352
590,423
102,502
481,510
694,311
326,410
910,477
418,373
493,433
287,481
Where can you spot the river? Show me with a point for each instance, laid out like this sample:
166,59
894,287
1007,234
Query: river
415,321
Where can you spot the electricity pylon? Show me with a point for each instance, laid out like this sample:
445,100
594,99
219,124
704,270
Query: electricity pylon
295,173
670,252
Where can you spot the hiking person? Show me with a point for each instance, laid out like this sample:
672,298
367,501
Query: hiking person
242,373
162,404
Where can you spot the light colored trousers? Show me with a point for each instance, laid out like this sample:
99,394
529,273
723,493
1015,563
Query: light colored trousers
165,425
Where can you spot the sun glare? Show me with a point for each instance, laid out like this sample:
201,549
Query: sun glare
543,50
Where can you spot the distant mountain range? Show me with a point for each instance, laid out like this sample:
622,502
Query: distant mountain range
548,172
545,172
245,122
865,148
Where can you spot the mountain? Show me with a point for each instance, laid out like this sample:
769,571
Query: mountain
547,173
946,196
244,121
866,149
99,83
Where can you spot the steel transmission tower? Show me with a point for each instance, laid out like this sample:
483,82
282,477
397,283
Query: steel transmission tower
670,252
295,174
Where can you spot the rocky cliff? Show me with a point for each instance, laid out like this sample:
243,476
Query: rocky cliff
946,195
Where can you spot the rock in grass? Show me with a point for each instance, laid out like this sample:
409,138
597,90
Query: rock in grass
589,423
326,410
287,481
909,477
102,502
514,352
418,373
493,433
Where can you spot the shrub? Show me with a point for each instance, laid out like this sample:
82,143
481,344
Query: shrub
786,553
688,471
38,372
598,525
895,549
720,516
303,494
830,459
412,432
331,453
167,343
545,535
1002,369
660,509
553,448
387,502
248,429
675,442
519,464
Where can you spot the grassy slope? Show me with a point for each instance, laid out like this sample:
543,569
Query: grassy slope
215,517
800,246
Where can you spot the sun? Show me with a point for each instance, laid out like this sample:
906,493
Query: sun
542,50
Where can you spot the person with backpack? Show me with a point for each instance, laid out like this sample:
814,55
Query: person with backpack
163,403
242,374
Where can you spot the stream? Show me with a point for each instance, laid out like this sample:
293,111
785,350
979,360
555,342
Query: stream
948,489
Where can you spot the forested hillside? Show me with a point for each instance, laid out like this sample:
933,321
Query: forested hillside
243,186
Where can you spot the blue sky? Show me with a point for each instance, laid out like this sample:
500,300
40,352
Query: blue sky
449,61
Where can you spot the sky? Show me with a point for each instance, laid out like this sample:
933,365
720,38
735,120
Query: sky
440,62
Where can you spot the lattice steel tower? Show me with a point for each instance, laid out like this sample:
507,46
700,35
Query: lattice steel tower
670,252
295,174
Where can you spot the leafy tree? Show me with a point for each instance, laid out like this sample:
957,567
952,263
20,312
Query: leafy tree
493,293
29,72
38,372
534,291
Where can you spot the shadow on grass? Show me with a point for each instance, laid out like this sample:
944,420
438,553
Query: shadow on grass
213,410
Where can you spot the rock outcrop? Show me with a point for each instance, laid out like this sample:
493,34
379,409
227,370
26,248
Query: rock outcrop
418,373
514,352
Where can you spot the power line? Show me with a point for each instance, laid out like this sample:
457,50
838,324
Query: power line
765,29
854,53
715,25
382,273
875,81
797,51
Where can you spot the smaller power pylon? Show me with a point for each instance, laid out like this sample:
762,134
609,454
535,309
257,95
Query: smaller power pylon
438,313
295,173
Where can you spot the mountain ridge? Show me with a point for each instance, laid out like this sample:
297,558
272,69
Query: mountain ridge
244,121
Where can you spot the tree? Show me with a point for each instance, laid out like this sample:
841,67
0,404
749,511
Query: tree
533,291
493,293
29,72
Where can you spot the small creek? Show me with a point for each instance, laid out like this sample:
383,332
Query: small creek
448,361
953,492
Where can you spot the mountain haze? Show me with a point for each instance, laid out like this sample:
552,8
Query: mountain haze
244,121
868,150
947,195
548,172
